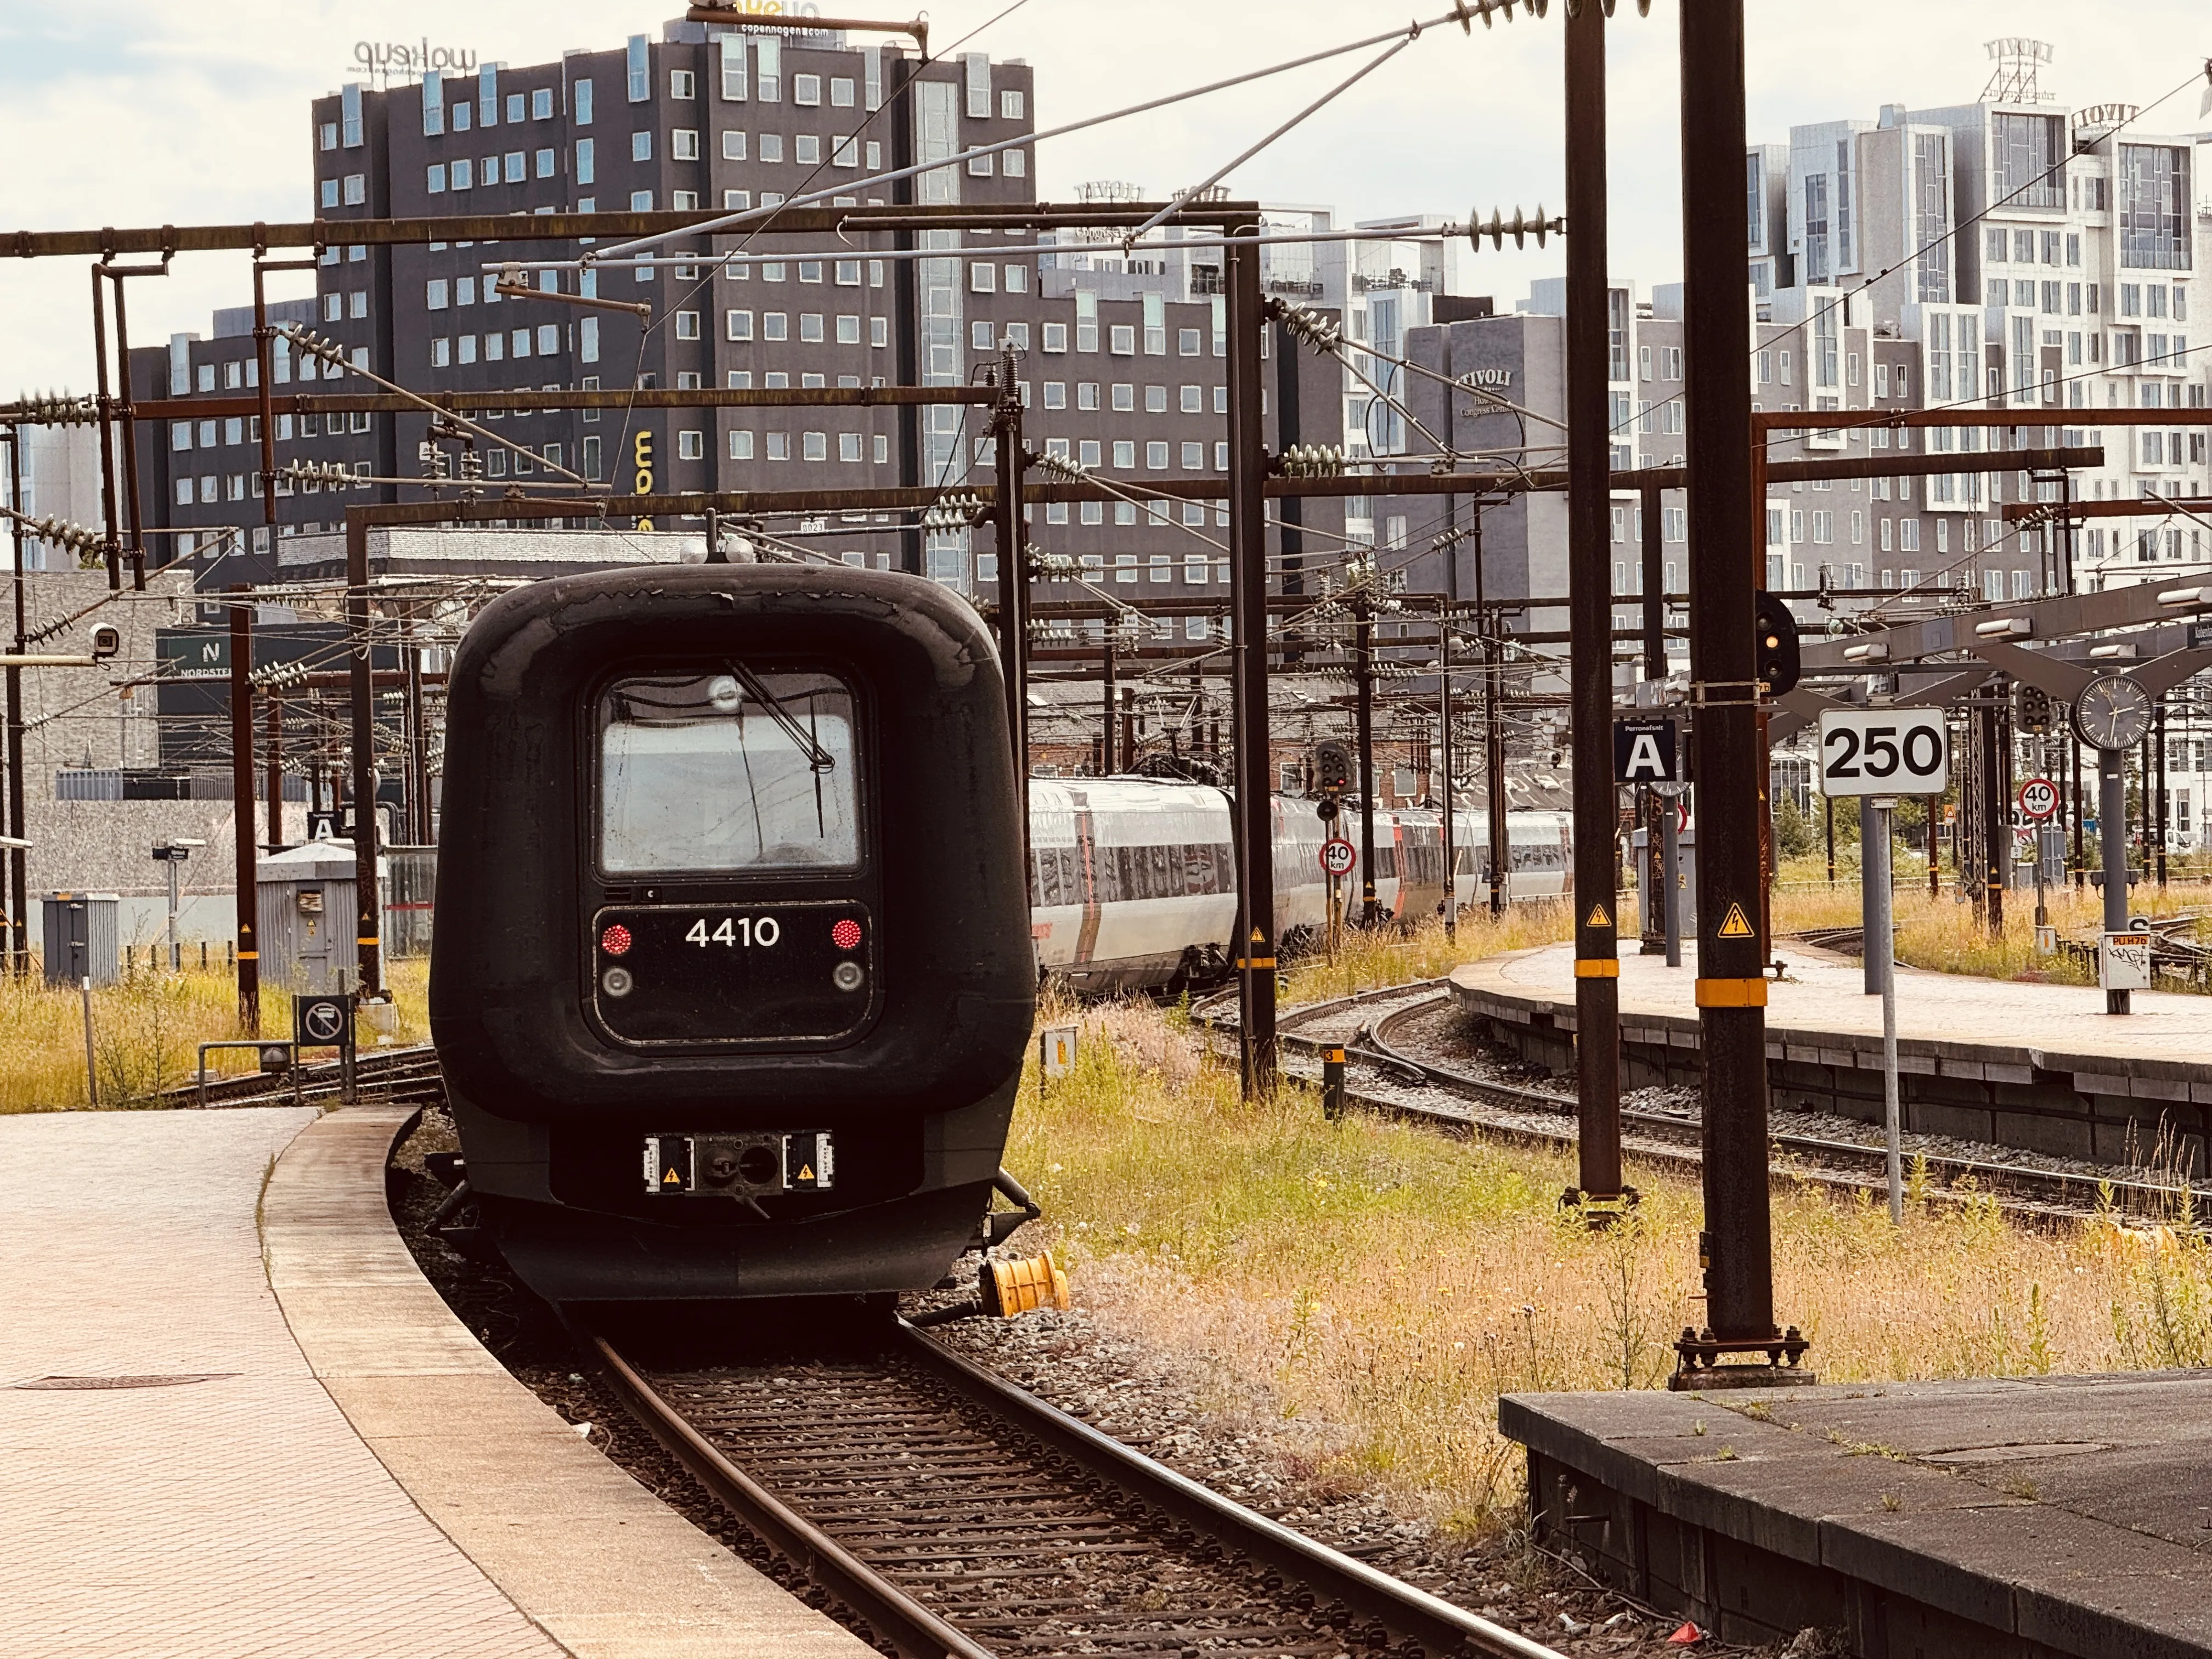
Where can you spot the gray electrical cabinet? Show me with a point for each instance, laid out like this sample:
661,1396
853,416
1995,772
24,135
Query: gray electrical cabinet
80,940
308,911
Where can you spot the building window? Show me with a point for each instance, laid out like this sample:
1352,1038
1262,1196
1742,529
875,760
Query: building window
848,447
690,446
806,89
1122,340
434,182
683,144
849,331
776,325
356,189
441,352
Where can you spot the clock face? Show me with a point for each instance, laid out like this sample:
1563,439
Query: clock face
2113,712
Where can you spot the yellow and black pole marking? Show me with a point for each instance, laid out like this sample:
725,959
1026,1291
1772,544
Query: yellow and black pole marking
1332,1083
1589,611
1727,484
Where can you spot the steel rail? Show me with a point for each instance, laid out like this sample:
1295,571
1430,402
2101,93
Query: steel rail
1378,1046
895,1616
1407,1611
2074,1191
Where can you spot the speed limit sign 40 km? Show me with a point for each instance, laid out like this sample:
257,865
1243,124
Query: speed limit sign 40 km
1886,751
2038,798
1337,856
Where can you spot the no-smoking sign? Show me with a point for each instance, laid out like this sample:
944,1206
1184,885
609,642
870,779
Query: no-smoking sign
2038,798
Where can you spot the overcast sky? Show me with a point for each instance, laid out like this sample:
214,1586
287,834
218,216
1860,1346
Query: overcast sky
143,115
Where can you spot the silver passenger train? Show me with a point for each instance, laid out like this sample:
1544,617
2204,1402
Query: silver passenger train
1132,881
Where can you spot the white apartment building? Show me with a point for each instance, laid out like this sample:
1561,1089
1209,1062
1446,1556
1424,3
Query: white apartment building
2039,257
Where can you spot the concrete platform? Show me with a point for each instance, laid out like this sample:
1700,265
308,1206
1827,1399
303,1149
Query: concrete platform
2022,1517
604,1567
2038,1066
177,1479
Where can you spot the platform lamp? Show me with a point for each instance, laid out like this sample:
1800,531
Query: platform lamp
172,853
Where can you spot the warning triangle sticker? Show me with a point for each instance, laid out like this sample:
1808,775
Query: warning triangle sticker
1733,925
671,1178
1258,937
1598,917
807,1172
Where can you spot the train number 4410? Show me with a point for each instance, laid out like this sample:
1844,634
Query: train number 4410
763,931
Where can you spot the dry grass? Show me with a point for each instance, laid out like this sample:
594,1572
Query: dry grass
1390,1283
1943,934
147,1030
1367,959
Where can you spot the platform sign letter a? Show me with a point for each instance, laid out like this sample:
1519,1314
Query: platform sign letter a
1643,751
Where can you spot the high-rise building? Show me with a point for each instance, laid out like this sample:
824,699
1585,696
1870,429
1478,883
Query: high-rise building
1123,364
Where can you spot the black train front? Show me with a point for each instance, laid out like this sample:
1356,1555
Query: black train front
732,980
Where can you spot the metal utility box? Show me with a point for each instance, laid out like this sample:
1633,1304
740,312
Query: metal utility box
1686,871
308,912
409,897
81,938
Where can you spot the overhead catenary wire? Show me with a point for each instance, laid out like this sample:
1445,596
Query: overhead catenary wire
1462,14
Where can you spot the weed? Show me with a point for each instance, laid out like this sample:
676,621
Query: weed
1389,1285
147,1030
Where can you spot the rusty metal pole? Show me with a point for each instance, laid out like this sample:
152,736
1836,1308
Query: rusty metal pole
1013,575
1737,1244
417,816
1106,763
129,413
241,803
1590,612
113,544
265,351
273,775
1445,619
19,898
367,937
1248,575
1658,809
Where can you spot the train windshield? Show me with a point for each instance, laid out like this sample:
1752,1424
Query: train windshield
732,771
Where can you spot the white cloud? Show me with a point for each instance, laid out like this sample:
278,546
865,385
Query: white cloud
128,115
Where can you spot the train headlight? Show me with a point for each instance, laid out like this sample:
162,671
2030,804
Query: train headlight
616,981
722,691
615,940
846,935
847,976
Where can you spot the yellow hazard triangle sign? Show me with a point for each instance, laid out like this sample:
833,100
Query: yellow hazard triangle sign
807,1172
1598,917
1733,925
671,1178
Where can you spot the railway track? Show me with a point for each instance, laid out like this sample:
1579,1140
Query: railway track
958,1515
1673,1137
408,1075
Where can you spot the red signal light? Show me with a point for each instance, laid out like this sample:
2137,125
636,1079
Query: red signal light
846,935
615,941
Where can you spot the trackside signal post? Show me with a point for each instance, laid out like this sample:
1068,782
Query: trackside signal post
1727,757
1589,592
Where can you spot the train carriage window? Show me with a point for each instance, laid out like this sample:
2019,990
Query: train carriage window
727,771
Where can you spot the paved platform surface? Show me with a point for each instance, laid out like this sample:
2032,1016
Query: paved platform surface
2075,1512
235,1515
589,1554
1825,992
